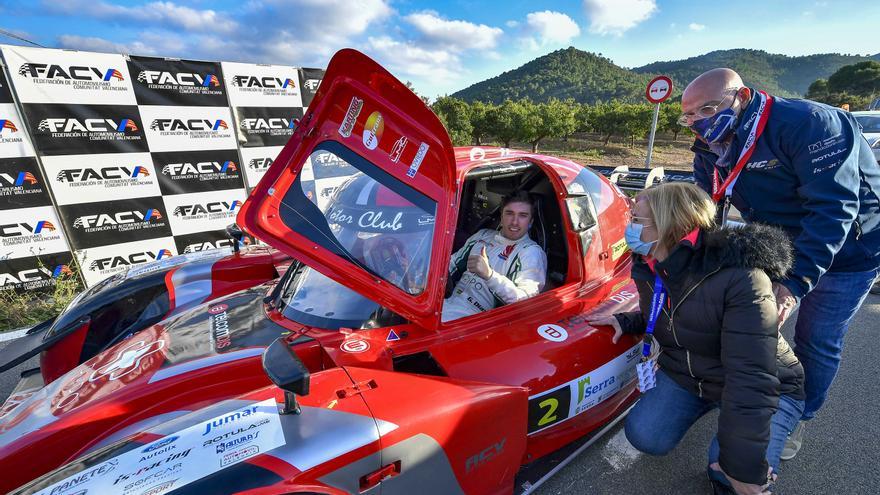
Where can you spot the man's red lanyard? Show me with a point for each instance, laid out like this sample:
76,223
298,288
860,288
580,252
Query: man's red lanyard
725,189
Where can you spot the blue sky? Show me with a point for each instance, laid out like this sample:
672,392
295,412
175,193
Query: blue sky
443,46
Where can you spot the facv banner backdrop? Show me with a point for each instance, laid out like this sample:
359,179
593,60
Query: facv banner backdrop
143,156
33,249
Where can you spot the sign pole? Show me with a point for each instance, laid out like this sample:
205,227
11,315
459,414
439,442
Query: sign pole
651,137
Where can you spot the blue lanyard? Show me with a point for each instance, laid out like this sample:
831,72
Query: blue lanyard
657,301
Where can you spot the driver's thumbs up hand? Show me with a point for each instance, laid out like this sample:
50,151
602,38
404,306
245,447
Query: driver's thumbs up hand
478,264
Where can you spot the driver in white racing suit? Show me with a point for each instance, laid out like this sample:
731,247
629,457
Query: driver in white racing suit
497,267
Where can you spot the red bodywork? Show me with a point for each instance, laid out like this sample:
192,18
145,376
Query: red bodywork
504,387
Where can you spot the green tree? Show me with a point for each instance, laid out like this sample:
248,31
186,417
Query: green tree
584,117
479,121
455,114
504,121
608,120
668,119
862,79
555,118
636,121
818,90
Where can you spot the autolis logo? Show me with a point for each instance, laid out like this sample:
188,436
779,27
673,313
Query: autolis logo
168,80
211,210
124,261
201,170
267,85
108,176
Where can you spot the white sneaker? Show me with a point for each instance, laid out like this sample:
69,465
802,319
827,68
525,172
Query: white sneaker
793,442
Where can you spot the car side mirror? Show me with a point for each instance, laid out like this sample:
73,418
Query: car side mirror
236,234
285,369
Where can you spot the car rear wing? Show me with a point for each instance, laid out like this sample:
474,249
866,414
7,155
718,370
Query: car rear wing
632,180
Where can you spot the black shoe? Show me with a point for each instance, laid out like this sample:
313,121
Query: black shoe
719,488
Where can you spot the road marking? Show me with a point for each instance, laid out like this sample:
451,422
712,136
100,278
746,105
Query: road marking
14,334
619,453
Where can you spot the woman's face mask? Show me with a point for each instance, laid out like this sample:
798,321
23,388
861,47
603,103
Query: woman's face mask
633,236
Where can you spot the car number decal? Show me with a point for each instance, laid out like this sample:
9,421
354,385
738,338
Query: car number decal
583,393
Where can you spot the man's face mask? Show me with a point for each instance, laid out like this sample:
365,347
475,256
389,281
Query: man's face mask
716,128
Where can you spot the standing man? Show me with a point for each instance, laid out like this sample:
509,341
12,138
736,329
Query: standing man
805,167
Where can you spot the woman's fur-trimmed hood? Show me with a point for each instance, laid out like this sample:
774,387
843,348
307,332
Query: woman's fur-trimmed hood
751,246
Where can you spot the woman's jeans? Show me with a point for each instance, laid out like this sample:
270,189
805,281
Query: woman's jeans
665,413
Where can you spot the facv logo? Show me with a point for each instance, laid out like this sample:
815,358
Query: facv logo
7,125
204,209
312,84
260,163
87,125
274,123
19,179
188,125
187,168
262,82
208,245
20,229
105,173
118,218
128,260
33,275
178,78
73,72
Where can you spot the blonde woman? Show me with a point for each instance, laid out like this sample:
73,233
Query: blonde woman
715,320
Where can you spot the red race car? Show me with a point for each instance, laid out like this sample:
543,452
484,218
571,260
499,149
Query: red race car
340,376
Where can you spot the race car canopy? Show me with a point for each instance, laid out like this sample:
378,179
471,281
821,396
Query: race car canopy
363,190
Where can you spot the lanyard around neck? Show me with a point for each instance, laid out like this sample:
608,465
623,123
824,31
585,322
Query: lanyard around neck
657,301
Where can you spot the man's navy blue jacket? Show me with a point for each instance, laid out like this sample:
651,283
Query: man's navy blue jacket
813,174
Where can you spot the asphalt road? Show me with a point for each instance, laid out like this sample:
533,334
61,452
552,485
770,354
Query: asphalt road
838,454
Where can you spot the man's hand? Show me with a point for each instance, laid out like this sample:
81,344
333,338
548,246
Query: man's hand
478,264
610,321
785,302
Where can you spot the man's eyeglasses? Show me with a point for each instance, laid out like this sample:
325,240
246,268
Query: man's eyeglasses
709,109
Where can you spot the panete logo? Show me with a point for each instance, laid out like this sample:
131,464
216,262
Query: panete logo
105,173
178,169
87,125
273,123
128,260
206,208
7,125
188,125
119,218
178,78
19,179
262,82
74,72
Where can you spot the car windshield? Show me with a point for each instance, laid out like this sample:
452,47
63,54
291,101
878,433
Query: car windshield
360,213
869,123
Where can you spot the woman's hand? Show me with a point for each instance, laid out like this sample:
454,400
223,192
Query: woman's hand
744,488
608,320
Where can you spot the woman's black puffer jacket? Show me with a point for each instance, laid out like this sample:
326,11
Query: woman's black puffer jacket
718,334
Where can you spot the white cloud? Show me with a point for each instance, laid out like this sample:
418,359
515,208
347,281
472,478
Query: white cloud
696,27
159,14
406,59
550,28
617,16
453,34
511,24
95,44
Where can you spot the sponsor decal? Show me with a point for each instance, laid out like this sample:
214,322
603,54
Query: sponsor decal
265,85
355,346
91,128
77,76
121,221
231,419
267,126
397,149
84,477
618,249
260,164
208,245
310,80
220,338
373,129
19,179
824,144
763,165
477,154
155,78
9,132
160,489
112,264
211,210
86,129
584,392
392,336
28,233
176,82
33,272
239,455
182,172
146,474
236,442
192,128
20,184
351,115
104,177
159,444
127,360
553,333
312,84
199,170
417,161
484,456
830,154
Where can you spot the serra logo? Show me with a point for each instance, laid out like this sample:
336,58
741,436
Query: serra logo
105,173
262,82
188,125
87,125
128,260
178,78
73,72
198,168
